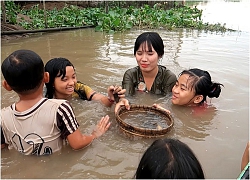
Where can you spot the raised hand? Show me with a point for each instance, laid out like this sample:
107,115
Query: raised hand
101,127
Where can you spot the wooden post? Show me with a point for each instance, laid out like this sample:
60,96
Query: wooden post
4,11
106,3
45,14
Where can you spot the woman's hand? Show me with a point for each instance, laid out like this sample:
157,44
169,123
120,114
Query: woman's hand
160,107
101,127
115,92
122,102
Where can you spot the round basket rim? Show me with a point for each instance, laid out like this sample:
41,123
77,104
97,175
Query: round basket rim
143,131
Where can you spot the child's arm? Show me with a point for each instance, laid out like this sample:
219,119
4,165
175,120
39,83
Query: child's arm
78,141
66,121
245,157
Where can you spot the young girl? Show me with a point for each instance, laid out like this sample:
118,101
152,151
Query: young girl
148,76
64,85
193,87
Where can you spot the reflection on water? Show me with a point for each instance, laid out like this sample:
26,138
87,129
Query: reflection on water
217,135
147,120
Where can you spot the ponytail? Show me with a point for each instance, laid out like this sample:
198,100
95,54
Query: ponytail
215,90
202,84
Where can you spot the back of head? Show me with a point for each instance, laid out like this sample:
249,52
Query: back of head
23,70
201,82
152,39
169,159
56,67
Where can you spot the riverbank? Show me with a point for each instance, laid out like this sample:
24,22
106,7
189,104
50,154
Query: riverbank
15,27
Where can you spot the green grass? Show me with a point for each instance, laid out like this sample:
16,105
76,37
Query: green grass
116,20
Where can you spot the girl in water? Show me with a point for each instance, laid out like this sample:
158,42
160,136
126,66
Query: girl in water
63,84
192,88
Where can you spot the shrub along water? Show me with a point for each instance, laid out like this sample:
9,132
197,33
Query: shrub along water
117,18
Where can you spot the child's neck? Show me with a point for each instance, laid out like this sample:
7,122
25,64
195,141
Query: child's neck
27,101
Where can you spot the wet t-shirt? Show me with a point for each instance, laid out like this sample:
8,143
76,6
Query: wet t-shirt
164,81
83,91
39,130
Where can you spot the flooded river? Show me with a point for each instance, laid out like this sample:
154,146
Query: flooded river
218,137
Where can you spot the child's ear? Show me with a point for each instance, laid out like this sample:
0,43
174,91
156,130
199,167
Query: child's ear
6,85
198,99
46,77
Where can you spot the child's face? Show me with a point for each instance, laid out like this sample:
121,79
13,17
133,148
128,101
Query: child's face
146,60
182,93
64,88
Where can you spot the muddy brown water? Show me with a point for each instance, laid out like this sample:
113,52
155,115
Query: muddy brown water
218,136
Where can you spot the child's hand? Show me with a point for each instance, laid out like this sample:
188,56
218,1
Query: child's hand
122,102
160,107
101,127
116,92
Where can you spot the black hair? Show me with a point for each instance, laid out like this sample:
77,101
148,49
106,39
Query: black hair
56,67
152,39
201,82
23,70
169,159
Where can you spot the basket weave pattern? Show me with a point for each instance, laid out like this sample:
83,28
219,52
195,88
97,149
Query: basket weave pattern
143,132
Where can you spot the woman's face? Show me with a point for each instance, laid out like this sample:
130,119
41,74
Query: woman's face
182,93
64,88
146,60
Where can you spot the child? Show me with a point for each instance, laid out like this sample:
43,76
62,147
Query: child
148,76
193,87
37,125
64,85
169,159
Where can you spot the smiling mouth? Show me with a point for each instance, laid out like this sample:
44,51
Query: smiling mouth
70,89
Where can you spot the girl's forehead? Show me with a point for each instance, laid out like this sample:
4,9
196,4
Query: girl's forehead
185,79
70,70
145,46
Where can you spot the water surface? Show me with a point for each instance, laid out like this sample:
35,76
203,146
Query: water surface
217,135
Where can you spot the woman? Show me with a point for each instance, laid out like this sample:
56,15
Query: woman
148,76
169,159
64,85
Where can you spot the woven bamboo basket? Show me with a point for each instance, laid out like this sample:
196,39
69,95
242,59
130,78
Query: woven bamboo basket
139,131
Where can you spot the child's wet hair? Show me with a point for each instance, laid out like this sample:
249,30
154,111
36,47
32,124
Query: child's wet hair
169,159
23,70
200,81
56,67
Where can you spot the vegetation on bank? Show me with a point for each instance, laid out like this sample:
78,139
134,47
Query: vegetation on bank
116,19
